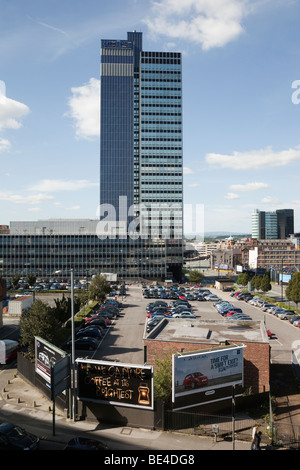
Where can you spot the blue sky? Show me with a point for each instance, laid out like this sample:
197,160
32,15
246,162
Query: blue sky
241,103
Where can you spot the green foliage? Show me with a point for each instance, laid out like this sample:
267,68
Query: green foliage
15,280
255,282
98,288
292,291
31,279
163,380
38,321
265,284
243,279
195,276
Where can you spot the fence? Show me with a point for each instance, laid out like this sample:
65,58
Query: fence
209,425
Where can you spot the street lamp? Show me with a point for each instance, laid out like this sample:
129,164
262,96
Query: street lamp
73,344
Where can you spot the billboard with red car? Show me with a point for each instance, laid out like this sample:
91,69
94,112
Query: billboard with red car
205,372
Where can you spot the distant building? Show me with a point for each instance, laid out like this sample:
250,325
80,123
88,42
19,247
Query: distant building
272,225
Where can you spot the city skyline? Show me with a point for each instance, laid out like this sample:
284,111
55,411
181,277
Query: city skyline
241,112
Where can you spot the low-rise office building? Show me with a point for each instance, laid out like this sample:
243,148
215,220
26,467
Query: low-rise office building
44,248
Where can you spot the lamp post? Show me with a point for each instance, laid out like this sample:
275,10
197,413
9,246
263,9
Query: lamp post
73,344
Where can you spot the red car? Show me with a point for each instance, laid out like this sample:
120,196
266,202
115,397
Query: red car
195,380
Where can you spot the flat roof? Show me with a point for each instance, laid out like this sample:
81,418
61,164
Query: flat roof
208,331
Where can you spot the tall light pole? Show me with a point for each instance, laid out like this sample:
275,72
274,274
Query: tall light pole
73,345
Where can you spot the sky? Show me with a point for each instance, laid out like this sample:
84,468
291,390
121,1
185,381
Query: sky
241,104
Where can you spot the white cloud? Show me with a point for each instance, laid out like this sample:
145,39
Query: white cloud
270,200
19,199
255,159
248,187
187,171
231,196
4,145
84,109
62,185
206,22
73,208
10,112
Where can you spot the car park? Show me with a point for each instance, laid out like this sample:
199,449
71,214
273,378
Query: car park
16,438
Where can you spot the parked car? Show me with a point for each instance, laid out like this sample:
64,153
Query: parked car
152,323
293,318
234,311
16,438
285,315
92,332
211,297
195,380
84,343
239,316
98,321
185,314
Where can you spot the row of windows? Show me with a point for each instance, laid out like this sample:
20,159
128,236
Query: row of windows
161,54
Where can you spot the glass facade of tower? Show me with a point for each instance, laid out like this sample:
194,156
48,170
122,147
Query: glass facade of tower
141,134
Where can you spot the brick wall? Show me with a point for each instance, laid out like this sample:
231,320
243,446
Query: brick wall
256,360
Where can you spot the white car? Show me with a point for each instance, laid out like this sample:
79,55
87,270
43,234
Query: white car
184,315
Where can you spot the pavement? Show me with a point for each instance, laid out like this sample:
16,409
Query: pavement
20,398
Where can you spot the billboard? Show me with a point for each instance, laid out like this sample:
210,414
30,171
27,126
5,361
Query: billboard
115,383
46,356
201,376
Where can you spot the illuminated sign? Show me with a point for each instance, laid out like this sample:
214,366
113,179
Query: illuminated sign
115,383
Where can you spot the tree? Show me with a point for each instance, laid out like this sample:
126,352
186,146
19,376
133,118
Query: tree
38,321
98,288
243,279
163,380
15,280
292,291
265,284
31,279
195,276
255,282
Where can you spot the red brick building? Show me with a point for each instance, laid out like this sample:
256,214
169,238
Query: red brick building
186,335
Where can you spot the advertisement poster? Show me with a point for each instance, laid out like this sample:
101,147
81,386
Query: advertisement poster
122,384
206,371
46,355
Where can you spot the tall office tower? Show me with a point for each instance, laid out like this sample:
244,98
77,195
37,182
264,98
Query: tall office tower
285,221
141,136
258,224
141,144
272,225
